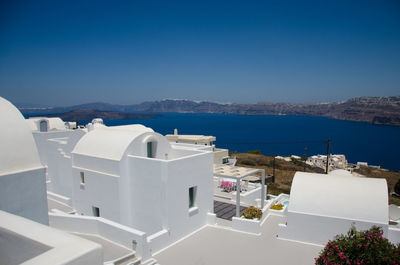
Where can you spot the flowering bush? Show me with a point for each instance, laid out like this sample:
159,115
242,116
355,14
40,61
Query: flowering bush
252,212
277,207
356,248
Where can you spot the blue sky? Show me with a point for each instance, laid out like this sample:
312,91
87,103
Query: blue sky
125,52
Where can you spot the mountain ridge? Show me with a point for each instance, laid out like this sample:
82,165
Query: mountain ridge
376,110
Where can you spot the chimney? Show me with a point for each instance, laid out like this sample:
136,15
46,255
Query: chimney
175,131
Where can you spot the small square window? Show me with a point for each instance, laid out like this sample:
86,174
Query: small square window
82,178
192,196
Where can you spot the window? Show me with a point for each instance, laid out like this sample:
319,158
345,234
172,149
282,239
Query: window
43,126
150,149
192,196
96,211
82,178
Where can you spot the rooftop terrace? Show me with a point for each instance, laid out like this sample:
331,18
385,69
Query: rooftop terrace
217,245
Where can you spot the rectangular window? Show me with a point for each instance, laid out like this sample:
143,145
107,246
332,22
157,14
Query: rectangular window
192,196
150,149
96,211
82,178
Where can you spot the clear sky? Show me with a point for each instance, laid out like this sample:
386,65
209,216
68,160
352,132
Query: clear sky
70,52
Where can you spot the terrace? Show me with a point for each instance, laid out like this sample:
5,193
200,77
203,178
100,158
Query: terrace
233,184
214,245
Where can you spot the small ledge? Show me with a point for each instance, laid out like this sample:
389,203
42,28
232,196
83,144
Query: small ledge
193,211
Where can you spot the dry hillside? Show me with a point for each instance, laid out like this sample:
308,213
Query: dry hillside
284,172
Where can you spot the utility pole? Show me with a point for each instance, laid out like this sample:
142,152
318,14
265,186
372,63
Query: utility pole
327,156
273,170
305,157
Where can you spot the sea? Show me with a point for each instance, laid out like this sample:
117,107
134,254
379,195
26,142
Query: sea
286,135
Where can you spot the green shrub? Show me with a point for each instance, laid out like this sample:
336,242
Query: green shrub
365,247
251,213
277,207
255,152
248,162
397,187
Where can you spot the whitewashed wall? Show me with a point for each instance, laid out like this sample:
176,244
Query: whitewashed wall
24,194
320,229
184,173
148,194
107,166
143,194
126,236
55,153
100,190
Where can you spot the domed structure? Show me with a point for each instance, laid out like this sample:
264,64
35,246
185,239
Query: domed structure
19,151
22,176
114,142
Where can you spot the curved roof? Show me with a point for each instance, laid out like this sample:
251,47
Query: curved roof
108,142
340,195
18,148
133,127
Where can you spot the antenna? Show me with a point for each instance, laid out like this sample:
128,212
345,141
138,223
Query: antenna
327,156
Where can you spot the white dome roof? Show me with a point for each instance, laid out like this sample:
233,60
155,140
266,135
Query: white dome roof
18,148
109,142
340,195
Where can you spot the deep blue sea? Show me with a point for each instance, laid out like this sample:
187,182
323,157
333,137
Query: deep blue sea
287,135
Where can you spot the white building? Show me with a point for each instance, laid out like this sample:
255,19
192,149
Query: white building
24,234
221,156
322,206
45,124
133,176
22,176
335,161
54,146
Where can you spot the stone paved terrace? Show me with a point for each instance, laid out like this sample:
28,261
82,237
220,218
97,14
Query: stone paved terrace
213,245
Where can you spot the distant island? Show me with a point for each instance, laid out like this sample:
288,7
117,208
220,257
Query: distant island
376,110
90,114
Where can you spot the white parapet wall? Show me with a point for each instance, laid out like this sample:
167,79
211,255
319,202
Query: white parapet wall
158,241
246,225
252,226
28,242
126,236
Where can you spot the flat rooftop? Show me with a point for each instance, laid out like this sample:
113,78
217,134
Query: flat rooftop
16,249
216,245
